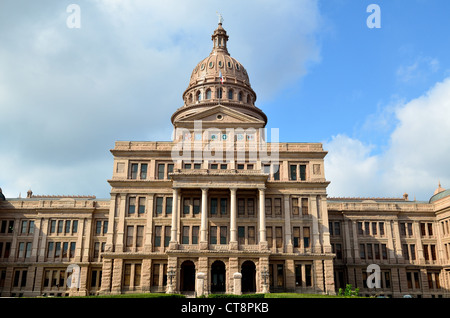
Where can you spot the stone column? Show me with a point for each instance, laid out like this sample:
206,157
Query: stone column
149,228
315,240
204,220
288,246
233,220
174,228
262,220
121,224
237,283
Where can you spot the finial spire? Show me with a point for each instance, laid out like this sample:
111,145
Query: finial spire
220,17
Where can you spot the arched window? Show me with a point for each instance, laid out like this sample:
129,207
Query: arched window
240,96
230,94
208,94
219,93
199,96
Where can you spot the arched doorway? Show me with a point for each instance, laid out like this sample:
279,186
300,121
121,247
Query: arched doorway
187,276
248,271
218,277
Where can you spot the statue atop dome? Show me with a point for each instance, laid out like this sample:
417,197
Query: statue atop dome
220,18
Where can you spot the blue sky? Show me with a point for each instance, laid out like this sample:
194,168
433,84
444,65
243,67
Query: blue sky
378,99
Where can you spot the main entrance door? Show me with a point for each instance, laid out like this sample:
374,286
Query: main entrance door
218,277
248,271
187,276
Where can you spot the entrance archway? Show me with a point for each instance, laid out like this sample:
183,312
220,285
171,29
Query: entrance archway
187,276
248,271
218,274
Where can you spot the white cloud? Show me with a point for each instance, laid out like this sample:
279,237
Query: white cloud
414,162
418,70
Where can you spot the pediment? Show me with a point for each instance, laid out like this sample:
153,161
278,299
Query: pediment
221,115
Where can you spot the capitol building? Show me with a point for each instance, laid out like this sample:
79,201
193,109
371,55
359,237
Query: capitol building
221,209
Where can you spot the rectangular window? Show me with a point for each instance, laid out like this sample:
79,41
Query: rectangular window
72,249
58,249
241,235
369,251
295,207
74,226
293,172
224,166
60,226
277,206
251,206
213,209
24,227
305,209
131,205
139,236
169,169
196,206
197,166
130,235
144,167
127,275
308,275
65,249
269,236
185,236
195,230
306,237
223,206
137,275
276,172
296,234
213,235
134,171
50,249
98,227
362,251
268,206
159,205
241,206
302,172
186,206
158,230
141,208
223,235
251,235
337,228
161,169
167,236
169,202
279,236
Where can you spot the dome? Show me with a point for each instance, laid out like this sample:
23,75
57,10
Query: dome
439,194
219,79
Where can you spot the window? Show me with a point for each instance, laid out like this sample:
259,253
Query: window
195,230
159,205
241,206
185,235
131,205
208,94
268,206
230,94
161,168
223,206
167,236
157,239
219,93
213,209
305,206
251,206
277,206
196,206
362,251
251,235
186,205
139,236
296,235
130,236
306,237
223,235
141,207
213,235
269,236
295,207
301,168
279,236
134,170
241,235
169,202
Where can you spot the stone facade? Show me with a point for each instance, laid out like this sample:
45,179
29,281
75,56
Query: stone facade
220,210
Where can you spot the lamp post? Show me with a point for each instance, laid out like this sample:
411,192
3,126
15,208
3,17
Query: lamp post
171,274
265,276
